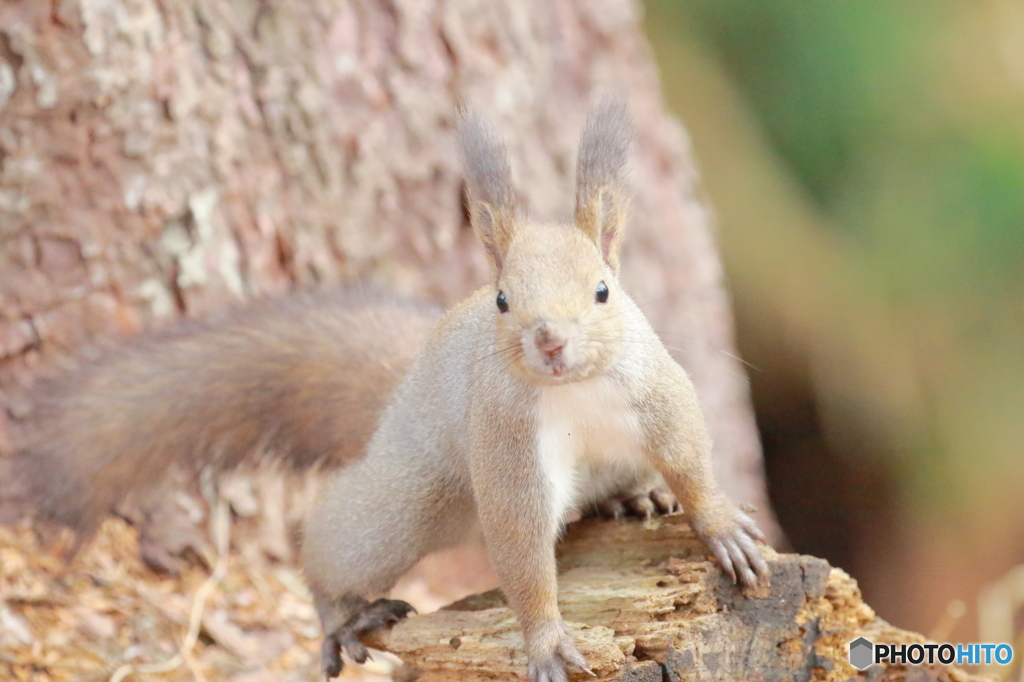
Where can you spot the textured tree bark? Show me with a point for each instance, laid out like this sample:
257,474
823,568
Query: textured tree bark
169,157
645,604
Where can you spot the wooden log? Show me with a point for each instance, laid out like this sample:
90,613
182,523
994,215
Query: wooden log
645,602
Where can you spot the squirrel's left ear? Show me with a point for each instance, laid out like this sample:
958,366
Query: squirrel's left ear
492,203
602,195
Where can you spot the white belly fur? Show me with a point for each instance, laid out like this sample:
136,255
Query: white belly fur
584,422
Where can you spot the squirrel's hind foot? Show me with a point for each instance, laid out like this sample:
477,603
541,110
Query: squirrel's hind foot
659,500
377,615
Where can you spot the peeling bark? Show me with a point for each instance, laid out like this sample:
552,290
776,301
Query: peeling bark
644,602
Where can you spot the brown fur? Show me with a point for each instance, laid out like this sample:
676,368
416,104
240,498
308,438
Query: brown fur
301,381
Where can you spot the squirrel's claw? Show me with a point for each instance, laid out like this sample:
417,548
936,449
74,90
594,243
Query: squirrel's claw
732,538
641,506
553,670
665,500
720,552
378,615
552,667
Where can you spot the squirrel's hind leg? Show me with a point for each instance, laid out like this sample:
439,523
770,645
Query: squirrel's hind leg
370,524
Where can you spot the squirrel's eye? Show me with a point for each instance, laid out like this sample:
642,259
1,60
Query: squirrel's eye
602,293
503,302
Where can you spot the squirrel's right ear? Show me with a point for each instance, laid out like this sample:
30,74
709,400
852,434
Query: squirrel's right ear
492,206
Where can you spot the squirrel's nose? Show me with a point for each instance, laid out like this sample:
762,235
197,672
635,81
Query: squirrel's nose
548,343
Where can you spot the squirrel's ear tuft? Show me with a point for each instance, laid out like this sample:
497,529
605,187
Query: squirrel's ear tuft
602,194
492,206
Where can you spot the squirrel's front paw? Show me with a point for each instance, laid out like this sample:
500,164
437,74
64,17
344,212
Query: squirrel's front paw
550,654
732,537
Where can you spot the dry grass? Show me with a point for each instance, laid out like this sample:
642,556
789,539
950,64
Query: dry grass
107,617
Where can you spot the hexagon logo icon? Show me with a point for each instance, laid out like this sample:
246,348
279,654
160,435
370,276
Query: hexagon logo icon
861,653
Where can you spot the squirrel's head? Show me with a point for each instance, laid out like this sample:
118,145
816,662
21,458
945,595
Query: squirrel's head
558,305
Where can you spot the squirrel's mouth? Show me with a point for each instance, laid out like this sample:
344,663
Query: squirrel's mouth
560,370
556,367
547,369
554,373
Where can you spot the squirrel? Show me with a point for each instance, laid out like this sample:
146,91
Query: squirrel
543,392
522,392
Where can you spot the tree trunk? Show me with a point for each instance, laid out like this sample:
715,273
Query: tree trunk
170,157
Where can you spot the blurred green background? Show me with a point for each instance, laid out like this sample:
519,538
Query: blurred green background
866,161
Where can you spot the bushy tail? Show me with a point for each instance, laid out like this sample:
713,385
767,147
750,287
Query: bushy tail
300,381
